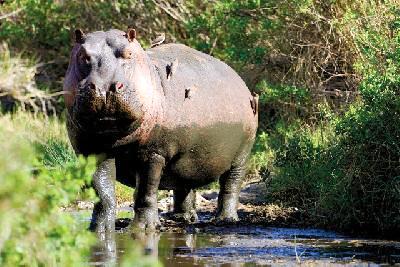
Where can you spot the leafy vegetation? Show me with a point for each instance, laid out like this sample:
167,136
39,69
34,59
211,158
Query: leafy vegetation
344,172
40,176
35,231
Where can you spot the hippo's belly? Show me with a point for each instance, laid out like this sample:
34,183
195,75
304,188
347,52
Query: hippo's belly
194,156
187,170
204,154
193,170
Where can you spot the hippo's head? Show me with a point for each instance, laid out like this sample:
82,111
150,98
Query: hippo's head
108,82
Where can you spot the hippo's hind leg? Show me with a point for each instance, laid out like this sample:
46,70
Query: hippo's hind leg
103,217
146,211
230,185
185,205
228,198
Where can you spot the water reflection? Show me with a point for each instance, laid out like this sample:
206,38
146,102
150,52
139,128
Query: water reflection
105,252
243,245
149,242
169,248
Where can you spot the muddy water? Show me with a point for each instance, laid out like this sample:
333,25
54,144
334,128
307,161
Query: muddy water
248,245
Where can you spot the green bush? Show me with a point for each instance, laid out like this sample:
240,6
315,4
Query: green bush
283,103
51,24
290,44
228,32
345,175
35,231
39,176
350,180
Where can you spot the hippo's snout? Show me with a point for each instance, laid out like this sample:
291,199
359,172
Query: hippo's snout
111,100
92,90
116,87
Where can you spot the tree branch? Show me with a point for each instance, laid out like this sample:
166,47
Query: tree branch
11,14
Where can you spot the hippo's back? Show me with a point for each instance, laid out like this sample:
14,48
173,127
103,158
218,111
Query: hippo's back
201,90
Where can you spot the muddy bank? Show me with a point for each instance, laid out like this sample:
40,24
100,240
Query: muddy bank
252,241
254,209
247,245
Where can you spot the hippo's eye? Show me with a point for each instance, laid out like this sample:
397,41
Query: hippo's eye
127,53
84,65
83,58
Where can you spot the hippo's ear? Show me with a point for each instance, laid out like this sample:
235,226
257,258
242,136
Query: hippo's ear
131,34
79,36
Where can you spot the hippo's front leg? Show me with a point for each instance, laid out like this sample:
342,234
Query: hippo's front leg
185,205
146,211
103,217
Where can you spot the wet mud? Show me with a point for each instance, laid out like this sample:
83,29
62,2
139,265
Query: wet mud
251,242
249,245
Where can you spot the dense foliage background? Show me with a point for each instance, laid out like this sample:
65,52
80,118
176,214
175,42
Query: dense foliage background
327,73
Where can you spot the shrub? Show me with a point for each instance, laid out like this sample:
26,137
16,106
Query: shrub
299,44
17,84
35,231
51,23
351,181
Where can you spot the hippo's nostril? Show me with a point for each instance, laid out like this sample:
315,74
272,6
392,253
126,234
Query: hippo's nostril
116,86
91,86
119,85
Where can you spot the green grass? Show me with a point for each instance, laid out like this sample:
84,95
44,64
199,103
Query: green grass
123,193
340,176
39,175
34,230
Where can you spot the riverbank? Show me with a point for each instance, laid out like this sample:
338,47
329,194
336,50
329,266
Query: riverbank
266,234
254,210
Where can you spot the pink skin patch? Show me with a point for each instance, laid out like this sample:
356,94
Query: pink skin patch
119,86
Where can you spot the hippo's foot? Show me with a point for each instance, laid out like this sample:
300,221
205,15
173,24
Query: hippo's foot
145,219
102,220
227,208
187,217
226,218
185,206
103,216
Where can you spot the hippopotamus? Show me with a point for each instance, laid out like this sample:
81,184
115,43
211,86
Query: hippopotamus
169,118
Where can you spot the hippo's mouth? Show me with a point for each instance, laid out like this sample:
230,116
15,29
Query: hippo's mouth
108,119
105,126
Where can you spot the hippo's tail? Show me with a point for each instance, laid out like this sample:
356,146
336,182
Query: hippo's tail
254,103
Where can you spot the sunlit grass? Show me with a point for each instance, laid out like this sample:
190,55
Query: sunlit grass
123,193
34,230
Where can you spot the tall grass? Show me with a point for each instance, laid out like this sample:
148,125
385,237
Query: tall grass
34,230
18,86
344,171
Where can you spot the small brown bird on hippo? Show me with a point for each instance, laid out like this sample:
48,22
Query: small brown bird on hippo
159,40
150,131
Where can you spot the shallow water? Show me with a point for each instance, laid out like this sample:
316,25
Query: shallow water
248,245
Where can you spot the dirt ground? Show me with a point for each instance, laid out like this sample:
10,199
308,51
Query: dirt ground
253,208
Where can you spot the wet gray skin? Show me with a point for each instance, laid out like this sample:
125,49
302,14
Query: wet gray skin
166,118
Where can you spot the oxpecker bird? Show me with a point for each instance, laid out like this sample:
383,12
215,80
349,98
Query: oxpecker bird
159,40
